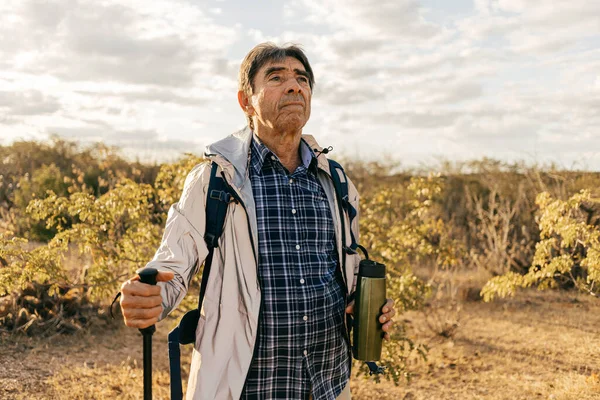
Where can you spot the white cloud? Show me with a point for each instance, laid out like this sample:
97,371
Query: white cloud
505,78
135,66
32,102
386,18
158,43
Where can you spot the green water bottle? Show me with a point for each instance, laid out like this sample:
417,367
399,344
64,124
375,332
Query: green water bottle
370,298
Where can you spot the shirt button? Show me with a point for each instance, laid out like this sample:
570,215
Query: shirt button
301,280
273,158
305,352
305,318
297,247
291,181
293,211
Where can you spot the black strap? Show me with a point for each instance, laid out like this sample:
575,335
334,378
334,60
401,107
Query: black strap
374,368
184,333
175,364
340,183
217,201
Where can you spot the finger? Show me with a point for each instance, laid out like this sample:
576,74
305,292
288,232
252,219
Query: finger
128,301
389,304
350,308
142,313
136,288
129,282
387,316
141,323
386,336
390,314
164,276
386,327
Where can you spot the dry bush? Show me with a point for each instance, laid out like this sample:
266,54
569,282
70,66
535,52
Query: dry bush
443,311
500,246
38,311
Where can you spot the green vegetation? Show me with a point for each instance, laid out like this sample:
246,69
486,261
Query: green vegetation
568,251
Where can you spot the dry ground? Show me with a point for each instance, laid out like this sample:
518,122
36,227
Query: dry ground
537,346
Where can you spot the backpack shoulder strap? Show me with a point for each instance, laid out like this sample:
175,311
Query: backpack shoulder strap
217,201
340,183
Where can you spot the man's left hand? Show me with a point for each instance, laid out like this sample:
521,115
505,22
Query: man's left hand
388,311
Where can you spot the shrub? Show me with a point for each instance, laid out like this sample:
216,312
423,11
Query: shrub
114,235
568,250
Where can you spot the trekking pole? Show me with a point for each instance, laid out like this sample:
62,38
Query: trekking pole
148,276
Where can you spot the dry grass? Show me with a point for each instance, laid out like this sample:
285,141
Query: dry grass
537,346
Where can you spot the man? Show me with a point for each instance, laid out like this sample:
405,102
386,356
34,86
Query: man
272,323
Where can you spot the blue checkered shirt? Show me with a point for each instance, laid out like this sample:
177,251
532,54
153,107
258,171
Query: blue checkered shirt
301,346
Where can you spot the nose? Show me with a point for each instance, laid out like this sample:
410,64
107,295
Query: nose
294,87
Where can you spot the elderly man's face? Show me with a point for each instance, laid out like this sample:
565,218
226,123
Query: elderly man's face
281,97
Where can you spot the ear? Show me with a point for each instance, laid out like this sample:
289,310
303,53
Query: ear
245,104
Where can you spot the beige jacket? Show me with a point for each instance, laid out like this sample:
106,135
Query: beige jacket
227,330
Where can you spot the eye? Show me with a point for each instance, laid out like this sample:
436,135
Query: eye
303,79
275,78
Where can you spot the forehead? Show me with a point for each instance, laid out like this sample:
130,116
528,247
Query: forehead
289,63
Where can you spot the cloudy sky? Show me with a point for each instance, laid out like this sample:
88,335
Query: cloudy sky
415,80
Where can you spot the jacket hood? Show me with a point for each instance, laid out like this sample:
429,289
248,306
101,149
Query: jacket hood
235,148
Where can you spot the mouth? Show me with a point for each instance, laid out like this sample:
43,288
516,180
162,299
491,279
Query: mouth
293,103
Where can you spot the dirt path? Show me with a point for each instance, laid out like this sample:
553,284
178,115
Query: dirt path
538,346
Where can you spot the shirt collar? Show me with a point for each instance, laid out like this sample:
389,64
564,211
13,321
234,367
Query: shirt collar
260,153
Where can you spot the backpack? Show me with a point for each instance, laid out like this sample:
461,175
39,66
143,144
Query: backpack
217,201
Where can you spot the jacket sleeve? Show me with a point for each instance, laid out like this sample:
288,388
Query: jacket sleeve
182,249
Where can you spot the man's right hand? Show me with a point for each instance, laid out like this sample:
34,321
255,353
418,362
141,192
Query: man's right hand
141,303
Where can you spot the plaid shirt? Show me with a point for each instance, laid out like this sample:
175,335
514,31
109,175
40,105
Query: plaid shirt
300,345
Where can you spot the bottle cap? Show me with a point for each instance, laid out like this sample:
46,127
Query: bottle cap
371,269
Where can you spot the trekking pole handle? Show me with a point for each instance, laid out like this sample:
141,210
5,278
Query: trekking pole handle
148,276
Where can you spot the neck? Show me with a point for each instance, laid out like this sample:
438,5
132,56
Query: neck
285,145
